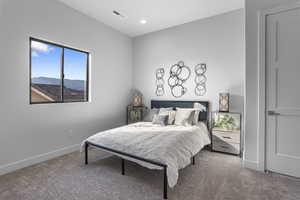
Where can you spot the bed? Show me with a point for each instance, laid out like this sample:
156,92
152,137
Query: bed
168,148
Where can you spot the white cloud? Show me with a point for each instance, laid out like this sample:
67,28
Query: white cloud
34,54
40,46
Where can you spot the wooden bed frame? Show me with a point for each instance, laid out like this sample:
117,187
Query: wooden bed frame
203,116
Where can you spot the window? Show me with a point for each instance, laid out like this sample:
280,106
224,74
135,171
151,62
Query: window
59,74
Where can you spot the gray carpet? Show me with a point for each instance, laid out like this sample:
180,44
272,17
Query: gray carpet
214,177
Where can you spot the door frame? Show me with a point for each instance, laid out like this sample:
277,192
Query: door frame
262,114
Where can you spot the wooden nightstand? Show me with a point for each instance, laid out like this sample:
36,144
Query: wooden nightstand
226,132
135,113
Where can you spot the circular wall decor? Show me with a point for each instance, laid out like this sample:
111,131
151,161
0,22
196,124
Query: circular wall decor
179,74
200,79
160,90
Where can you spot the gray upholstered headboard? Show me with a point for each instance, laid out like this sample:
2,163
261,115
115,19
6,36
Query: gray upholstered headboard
204,116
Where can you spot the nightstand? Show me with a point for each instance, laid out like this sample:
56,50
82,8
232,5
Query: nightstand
226,132
135,113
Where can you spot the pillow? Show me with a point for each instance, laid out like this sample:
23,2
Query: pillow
170,113
149,116
184,117
198,108
160,119
195,116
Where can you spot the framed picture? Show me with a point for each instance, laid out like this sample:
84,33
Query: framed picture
226,121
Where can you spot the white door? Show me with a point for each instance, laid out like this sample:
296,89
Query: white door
283,92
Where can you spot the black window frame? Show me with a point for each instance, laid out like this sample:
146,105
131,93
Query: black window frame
62,76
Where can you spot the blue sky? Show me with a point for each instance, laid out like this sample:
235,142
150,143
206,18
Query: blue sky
46,62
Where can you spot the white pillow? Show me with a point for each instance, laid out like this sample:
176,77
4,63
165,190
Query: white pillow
184,116
195,116
171,113
198,108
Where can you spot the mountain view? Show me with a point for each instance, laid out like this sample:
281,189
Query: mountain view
72,84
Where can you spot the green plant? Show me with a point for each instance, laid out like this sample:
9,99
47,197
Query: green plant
226,122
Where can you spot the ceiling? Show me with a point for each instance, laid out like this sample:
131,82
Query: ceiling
159,14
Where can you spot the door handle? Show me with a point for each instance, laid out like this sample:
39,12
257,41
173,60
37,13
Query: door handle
272,112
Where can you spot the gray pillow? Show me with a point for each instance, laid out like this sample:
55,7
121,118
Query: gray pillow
171,114
149,116
160,119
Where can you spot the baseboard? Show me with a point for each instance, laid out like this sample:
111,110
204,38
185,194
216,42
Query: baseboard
37,159
251,164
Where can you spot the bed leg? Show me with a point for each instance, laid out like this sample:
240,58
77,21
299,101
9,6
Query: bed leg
193,160
86,146
165,183
123,167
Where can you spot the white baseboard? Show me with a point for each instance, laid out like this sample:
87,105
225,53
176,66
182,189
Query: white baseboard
4,169
251,164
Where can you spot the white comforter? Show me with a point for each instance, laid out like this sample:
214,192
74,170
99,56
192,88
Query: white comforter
171,145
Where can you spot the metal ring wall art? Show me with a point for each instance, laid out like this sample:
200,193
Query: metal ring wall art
160,90
179,74
200,79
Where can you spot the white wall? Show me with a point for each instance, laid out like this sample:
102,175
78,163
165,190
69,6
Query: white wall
217,41
29,132
1,2
253,155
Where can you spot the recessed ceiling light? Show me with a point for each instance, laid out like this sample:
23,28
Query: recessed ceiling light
143,21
